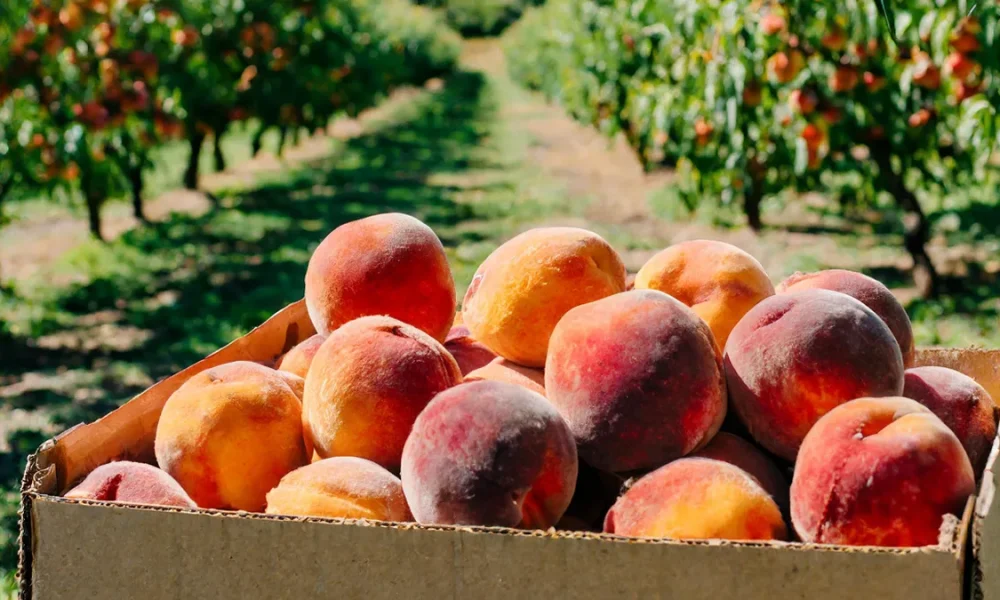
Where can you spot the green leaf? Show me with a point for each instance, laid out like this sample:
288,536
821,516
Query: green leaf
890,18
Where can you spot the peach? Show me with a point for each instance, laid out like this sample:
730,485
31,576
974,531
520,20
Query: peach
522,290
741,453
134,483
697,499
342,487
638,378
879,472
869,292
298,359
718,281
469,353
389,264
961,403
369,381
502,369
489,453
229,434
796,356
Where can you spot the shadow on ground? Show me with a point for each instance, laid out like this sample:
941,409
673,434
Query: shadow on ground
189,285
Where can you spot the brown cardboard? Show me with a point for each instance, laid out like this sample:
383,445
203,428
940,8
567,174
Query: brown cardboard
75,549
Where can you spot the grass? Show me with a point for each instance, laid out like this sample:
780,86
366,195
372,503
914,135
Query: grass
109,319
165,174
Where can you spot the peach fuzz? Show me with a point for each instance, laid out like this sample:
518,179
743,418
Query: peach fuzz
503,370
638,378
489,453
526,285
697,499
718,281
298,359
741,453
469,353
229,434
961,403
342,487
794,357
869,292
134,483
369,381
389,264
879,472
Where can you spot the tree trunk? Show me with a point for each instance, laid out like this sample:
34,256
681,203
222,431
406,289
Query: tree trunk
220,159
197,140
94,201
136,183
918,231
753,195
283,135
258,140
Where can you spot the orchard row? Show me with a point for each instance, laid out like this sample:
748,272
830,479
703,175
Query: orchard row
89,88
749,98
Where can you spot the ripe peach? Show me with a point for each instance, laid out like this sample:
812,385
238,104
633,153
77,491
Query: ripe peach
835,40
638,378
784,67
342,487
469,353
489,453
522,290
229,434
869,292
796,356
369,381
718,281
843,79
772,23
134,483
697,498
961,403
298,359
803,101
390,264
502,369
879,472
927,75
741,453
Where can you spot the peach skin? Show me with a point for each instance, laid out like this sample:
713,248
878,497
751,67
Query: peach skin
638,378
389,264
342,487
795,357
717,280
869,292
368,382
489,453
879,472
298,359
229,434
962,404
697,499
502,369
522,290
133,483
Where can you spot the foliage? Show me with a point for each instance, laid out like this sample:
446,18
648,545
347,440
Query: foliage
482,17
88,87
749,98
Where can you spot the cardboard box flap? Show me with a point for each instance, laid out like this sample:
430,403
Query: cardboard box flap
128,432
986,531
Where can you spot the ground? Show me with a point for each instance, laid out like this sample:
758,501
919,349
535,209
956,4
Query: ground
475,157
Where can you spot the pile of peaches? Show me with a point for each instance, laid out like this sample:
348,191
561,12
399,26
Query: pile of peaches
678,404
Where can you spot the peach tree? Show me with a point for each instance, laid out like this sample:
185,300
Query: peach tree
749,98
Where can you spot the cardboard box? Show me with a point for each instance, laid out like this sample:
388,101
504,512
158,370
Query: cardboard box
80,549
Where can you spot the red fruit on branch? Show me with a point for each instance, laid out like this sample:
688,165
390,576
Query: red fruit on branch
926,75
803,101
773,23
960,66
844,79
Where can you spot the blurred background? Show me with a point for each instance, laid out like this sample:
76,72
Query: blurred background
166,167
